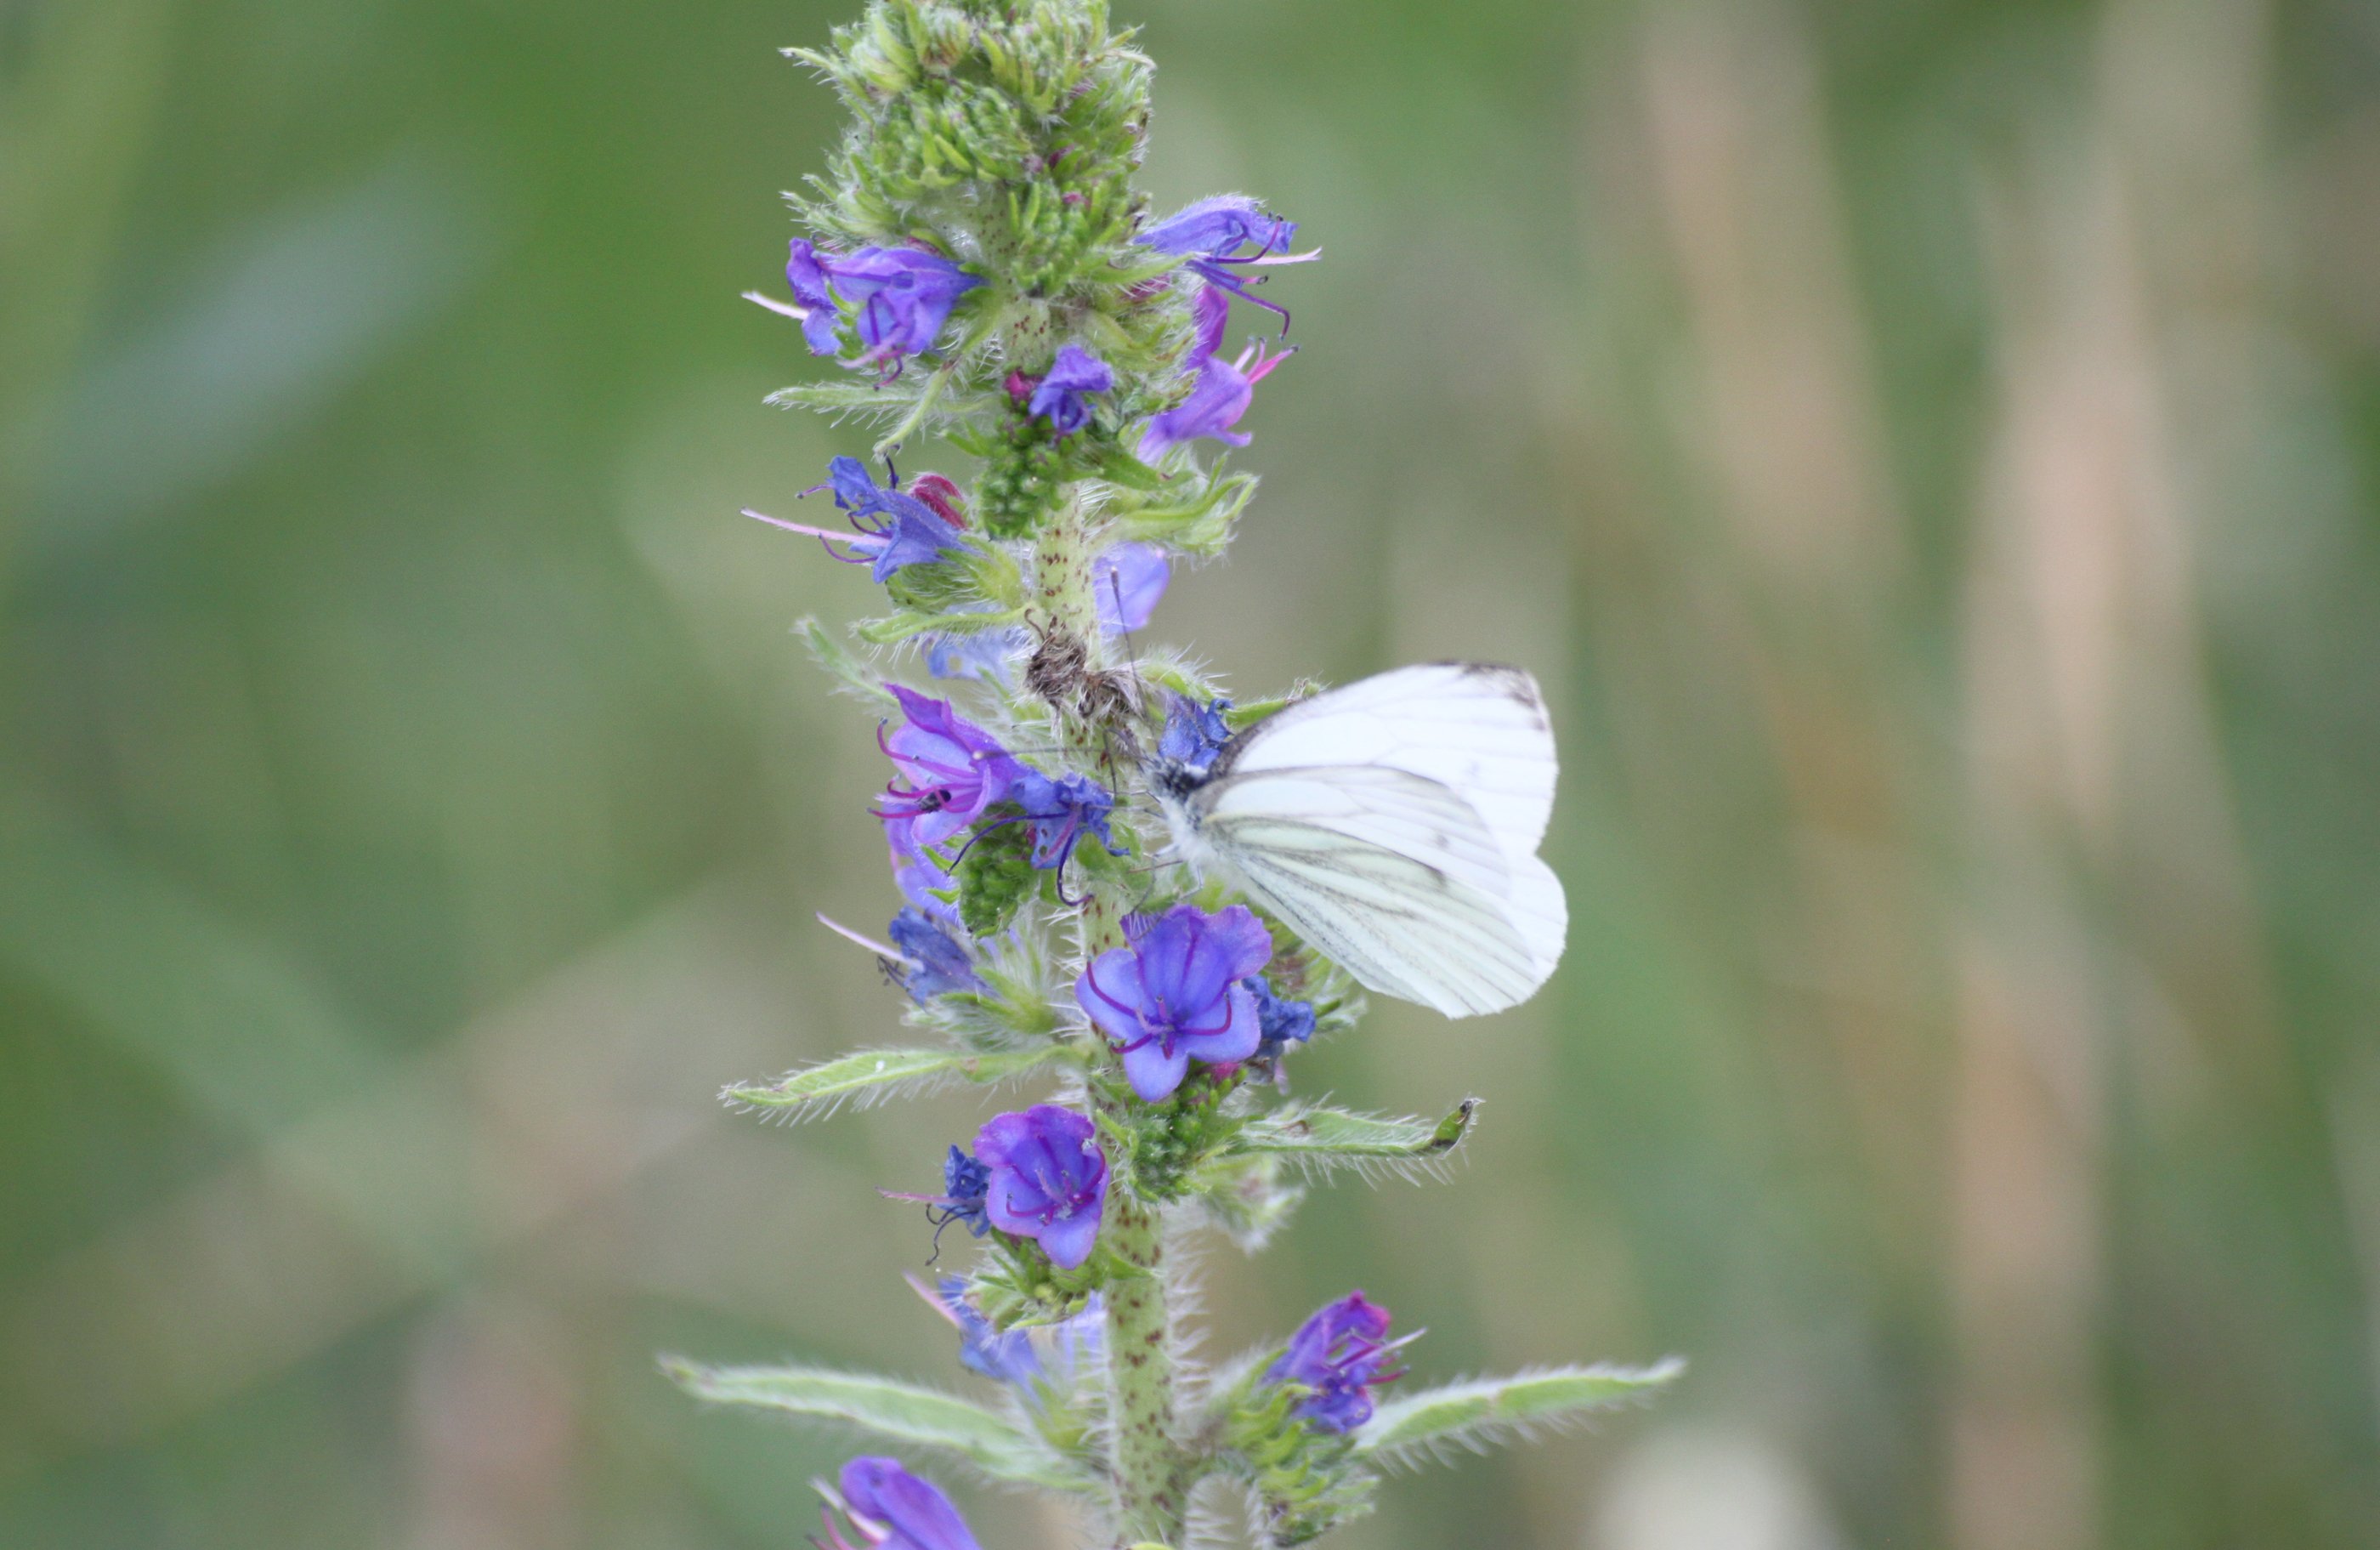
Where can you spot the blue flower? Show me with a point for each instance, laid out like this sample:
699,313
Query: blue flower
892,1509
1283,1022
979,653
1174,995
1049,1179
906,531
1220,390
951,769
1338,1355
1127,579
1195,734
902,297
1061,811
1219,227
1022,1357
1224,234
894,530
917,871
1064,397
940,965
1004,1356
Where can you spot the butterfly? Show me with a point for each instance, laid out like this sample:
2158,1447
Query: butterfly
1394,824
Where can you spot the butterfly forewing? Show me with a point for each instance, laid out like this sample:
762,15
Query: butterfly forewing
1479,731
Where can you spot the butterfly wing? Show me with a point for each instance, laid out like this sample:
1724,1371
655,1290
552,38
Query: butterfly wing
1476,728
1396,877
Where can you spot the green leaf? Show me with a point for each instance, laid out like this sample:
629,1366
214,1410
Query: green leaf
1320,1138
1417,1428
908,1413
854,676
873,1075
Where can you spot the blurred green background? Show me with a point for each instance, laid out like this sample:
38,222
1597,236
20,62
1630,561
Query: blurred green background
1928,447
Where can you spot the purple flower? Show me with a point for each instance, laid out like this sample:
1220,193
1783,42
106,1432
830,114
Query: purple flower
1174,995
1061,811
1223,235
1195,734
962,1199
1064,395
902,297
917,871
1020,1358
1220,390
893,1509
894,530
1339,1354
941,964
979,653
1127,579
1049,1179
952,769
808,279
1004,1356
1219,227
1283,1022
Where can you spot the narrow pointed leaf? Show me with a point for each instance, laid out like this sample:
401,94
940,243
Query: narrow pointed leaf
1322,1139
910,1414
1481,1413
873,1076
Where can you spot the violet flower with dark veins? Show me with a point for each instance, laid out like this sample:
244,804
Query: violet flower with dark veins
1061,811
1174,995
1220,390
894,530
1337,1354
1049,1179
900,298
1064,397
1225,235
951,770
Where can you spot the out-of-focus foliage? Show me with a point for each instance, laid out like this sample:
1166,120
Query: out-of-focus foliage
1929,448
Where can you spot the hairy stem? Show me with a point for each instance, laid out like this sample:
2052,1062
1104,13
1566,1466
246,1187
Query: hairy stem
1145,1462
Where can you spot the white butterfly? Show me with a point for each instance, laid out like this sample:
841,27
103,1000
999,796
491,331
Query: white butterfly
1394,824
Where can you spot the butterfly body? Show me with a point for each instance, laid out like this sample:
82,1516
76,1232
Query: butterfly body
1392,824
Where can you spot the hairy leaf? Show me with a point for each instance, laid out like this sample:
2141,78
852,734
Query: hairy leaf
908,1413
1322,1139
1478,1414
871,1076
